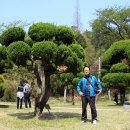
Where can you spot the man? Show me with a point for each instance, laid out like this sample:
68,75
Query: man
85,88
27,90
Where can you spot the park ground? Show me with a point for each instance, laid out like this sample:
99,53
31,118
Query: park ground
64,116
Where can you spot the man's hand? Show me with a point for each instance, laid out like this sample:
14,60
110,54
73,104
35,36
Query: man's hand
99,92
80,93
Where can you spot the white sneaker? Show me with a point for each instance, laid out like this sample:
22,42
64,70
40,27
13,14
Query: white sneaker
83,121
94,122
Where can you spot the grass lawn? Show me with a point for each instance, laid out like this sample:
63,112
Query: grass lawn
64,116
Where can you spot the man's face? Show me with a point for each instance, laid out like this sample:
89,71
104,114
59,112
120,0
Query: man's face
86,71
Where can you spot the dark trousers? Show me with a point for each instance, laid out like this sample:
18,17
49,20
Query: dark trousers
27,100
91,101
116,99
19,101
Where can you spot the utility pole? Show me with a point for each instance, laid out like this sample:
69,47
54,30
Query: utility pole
77,14
99,68
77,22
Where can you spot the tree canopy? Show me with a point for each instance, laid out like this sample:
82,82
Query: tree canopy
42,31
12,34
116,80
119,68
116,61
111,25
118,52
19,52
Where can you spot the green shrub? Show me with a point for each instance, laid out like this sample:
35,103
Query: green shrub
11,35
29,41
19,52
118,51
116,79
64,34
119,67
9,94
104,71
42,31
1,87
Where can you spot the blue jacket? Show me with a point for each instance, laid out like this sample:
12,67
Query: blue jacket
81,87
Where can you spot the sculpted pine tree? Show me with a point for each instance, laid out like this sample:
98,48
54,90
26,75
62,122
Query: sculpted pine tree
52,50
116,61
52,47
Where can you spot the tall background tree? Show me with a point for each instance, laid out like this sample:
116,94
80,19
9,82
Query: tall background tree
111,25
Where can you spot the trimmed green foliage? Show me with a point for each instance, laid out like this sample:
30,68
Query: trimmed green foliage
42,31
19,52
9,94
118,76
80,75
64,34
75,81
11,35
74,63
78,49
68,57
66,78
29,41
116,79
118,51
103,71
46,51
63,53
2,53
119,68
4,63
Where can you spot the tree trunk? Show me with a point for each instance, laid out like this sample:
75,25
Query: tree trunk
129,96
122,95
109,94
65,91
43,94
40,102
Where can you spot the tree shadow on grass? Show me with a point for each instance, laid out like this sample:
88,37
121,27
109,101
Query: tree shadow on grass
23,116
48,116
61,115
4,106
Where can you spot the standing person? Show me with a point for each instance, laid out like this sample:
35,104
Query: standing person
27,90
85,88
20,95
115,95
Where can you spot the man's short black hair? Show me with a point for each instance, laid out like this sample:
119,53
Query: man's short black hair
87,67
